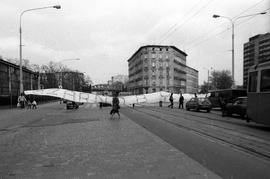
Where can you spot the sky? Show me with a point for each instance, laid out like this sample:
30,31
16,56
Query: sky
104,34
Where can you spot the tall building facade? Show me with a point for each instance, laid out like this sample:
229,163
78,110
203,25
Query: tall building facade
155,68
256,51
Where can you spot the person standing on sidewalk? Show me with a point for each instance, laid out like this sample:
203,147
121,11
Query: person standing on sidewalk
171,101
115,106
181,101
21,100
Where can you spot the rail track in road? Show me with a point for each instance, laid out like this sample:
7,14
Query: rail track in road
243,141
215,118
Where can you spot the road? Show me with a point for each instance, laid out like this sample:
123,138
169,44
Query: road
228,146
58,142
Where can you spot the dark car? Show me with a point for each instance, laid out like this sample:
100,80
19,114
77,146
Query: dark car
198,104
238,106
72,105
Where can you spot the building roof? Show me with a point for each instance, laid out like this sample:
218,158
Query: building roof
257,36
158,46
17,66
192,68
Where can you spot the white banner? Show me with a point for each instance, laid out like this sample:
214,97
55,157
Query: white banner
93,98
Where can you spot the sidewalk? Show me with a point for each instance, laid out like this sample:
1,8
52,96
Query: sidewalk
93,146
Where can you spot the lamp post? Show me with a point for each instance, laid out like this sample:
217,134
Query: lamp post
233,20
208,77
20,32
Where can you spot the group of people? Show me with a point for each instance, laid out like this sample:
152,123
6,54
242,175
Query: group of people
22,102
181,101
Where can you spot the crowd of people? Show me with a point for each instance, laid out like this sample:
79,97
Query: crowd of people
23,102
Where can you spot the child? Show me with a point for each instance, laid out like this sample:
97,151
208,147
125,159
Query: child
29,104
34,103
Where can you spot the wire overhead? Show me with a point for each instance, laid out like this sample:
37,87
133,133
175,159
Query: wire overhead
197,40
186,20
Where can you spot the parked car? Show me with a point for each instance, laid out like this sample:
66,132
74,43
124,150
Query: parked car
72,105
238,106
198,104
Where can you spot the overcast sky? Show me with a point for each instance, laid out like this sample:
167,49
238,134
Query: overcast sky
105,33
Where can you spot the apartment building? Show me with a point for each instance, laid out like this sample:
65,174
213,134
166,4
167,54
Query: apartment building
256,51
158,68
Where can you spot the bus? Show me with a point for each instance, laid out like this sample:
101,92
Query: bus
258,105
228,94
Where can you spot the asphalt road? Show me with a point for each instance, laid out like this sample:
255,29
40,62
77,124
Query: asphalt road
52,137
52,142
227,146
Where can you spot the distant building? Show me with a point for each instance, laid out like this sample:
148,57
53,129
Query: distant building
67,80
10,82
119,78
256,51
160,68
192,80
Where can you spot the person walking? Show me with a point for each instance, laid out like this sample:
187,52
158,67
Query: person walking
115,106
21,100
181,101
171,101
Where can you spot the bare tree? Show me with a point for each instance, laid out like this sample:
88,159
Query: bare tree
221,79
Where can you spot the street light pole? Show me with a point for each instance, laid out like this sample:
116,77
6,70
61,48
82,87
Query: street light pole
208,77
20,33
233,20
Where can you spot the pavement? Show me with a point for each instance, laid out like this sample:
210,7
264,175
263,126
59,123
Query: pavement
86,143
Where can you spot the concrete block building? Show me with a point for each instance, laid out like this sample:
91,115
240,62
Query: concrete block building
256,51
155,68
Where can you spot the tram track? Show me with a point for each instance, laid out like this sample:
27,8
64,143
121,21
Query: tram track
184,116
244,144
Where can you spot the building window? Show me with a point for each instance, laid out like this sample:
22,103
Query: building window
252,81
153,64
265,80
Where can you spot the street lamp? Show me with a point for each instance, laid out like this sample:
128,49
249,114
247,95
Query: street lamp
232,20
208,77
20,32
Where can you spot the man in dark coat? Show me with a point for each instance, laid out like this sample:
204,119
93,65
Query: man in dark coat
171,101
181,101
115,106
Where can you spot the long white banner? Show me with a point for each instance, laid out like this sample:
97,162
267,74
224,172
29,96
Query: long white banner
93,98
